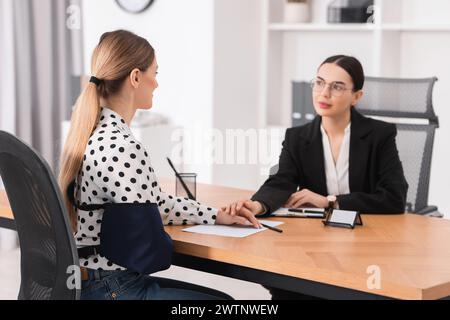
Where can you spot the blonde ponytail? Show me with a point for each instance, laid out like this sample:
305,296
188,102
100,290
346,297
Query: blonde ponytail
84,119
116,55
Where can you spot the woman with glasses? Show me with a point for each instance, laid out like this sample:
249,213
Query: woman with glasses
341,158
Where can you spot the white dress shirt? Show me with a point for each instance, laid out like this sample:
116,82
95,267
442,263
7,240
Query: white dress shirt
117,169
337,173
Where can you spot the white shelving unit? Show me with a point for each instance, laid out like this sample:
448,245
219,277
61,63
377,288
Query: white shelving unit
358,27
294,51
320,27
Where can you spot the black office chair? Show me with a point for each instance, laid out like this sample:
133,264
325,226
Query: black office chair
409,104
46,241
406,102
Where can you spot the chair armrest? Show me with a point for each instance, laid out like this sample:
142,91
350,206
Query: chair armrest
430,211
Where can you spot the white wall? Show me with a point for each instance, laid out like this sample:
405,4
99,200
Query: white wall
182,34
237,76
7,78
424,11
209,58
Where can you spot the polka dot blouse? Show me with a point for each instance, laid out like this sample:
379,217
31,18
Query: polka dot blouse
117,169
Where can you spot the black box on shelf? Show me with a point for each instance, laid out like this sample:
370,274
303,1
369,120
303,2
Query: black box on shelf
350,11
302,103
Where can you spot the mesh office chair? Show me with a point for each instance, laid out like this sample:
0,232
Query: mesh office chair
404,101
46,241
401,101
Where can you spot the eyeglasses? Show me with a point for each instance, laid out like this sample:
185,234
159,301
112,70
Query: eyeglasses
337,89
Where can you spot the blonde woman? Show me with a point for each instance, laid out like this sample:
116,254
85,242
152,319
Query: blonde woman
105,164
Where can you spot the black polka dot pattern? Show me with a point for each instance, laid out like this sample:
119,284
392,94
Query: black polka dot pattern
117,169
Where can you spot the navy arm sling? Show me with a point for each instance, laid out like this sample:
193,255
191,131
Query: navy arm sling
132,235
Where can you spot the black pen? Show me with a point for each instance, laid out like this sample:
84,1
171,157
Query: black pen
272,228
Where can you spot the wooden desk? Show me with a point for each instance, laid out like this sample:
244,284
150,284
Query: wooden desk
6,216
412,252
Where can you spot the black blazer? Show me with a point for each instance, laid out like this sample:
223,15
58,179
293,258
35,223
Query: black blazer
376,180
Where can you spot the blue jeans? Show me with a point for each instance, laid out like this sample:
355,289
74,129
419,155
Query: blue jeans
128,285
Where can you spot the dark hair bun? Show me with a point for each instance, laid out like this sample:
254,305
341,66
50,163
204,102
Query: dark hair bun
353,67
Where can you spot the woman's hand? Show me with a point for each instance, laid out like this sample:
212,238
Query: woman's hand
306,197
254,207
241,212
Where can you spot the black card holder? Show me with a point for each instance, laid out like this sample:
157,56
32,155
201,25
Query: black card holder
330,223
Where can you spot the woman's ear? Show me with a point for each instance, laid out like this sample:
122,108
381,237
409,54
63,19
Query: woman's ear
135,78
357,96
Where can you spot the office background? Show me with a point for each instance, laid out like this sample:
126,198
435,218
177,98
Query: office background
229,64
221,63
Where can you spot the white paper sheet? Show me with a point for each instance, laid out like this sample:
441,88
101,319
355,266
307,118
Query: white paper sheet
230,231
